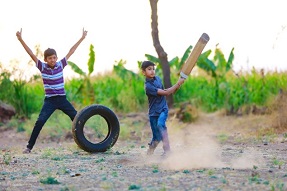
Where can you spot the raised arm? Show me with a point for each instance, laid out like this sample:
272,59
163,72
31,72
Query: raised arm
28,50
72,50
172,89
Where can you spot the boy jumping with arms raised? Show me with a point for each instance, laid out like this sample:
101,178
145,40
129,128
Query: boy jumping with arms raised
52,75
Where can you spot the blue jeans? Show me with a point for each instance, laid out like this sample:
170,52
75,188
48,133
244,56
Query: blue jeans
159,129
48,108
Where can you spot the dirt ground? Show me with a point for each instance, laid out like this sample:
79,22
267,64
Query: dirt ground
216,152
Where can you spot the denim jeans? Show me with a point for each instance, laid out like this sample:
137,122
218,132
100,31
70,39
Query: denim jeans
48,108
159,129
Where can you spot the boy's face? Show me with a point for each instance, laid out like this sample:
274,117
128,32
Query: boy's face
149,72
51,60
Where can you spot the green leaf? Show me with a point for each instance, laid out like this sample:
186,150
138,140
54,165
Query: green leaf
208,66
76,68
230,60
204,63
174,62
122,72
220,60
153,59
92,59
185,56
80,89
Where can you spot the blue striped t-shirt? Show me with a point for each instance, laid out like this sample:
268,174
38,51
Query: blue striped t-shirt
53,79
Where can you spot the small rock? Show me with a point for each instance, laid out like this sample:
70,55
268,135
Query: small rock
72,174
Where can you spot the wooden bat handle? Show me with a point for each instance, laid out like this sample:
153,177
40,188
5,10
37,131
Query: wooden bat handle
191,61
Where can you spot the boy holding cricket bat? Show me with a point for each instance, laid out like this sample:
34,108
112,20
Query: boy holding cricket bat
158,109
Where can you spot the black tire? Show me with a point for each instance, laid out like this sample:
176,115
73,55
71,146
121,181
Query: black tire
113,128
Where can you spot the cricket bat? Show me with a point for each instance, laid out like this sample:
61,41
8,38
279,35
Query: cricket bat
195,53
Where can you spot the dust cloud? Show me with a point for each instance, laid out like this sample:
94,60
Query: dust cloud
193,150
198,147
249,159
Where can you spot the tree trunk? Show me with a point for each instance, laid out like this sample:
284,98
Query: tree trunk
162,55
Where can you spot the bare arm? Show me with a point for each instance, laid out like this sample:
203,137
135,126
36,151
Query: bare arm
172,89
28,50
73,49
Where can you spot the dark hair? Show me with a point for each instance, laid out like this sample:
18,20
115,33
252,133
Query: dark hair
49,52
146,64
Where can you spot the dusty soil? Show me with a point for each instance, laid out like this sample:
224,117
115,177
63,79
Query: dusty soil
214,153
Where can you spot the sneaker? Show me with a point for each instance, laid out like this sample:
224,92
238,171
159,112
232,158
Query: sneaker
152,146
27,151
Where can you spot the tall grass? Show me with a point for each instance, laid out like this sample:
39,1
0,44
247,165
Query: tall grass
123,91
26,98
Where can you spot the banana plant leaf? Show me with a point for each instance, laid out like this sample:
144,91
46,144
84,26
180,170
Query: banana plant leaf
153,59
76,69
220,60
207,65
92,59
185,56
230,60
174,62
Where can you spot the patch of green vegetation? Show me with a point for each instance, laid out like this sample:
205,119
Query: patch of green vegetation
163,188
25,174
106,185
255,179
186,171
155,169
47,153
12,177
266,135
7,158
210,172
63,170
100,160
114,174
12,123
66,188
277,185
49,180
134,187
104,177
57,158
4,173
222,138
278,163
201,170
